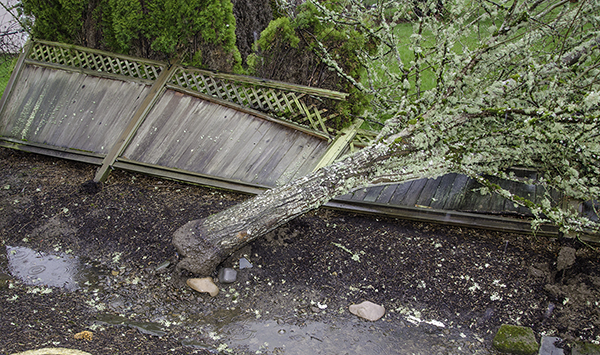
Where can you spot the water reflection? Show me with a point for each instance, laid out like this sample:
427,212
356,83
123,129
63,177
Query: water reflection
39,268
343,337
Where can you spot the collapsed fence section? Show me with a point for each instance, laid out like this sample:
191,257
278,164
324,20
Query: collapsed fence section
164,118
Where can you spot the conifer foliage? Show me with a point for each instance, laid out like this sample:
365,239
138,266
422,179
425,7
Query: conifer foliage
201,32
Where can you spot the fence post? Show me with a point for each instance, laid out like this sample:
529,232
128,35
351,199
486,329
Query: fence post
137,119
339,144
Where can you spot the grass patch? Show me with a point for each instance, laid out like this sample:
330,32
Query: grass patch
7,64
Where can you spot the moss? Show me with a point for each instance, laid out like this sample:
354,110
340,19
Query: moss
586,349
516,340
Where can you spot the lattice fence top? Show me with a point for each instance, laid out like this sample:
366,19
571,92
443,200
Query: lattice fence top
313,108
99,61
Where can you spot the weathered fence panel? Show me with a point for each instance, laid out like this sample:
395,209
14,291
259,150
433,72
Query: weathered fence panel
119,111
192,134
69,109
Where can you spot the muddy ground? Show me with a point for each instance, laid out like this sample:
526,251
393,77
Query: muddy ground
304,276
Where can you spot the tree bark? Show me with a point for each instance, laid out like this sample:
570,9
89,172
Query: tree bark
205,243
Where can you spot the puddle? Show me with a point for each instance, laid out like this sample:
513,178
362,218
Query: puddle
149,328
39,268
343,337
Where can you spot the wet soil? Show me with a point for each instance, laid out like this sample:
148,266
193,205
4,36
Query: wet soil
304,276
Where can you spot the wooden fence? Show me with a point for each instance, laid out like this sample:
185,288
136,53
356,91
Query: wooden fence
163,118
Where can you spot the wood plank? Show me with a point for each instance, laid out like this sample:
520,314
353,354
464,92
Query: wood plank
443,190
445,217
54,92
497,202
456,195
30,105
266,171
134,123
101,106
288,160
359,194
63,134
411,196
115,117
152,133
95,73
306,162
311,159
101,52
424,198
169,124
187,176
88,135
473,200
249,111
346,197
235,141
400,193
387,193
527,191
373,193
14,78
244,152
196,119
273,84
205,142
340,144
268,146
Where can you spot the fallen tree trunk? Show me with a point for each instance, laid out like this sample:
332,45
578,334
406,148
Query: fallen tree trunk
205,243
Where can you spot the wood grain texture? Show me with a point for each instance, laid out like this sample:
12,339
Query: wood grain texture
70,110
196,135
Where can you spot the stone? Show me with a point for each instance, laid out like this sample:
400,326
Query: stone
566,258
367,310
245,264
515,340
86,334
204,284
585,349
227,275
548,347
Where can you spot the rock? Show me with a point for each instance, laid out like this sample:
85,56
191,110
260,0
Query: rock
585,349
566,258
227,275
245,264
549,310
548,347
205,284
367,310
516,340
86,334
